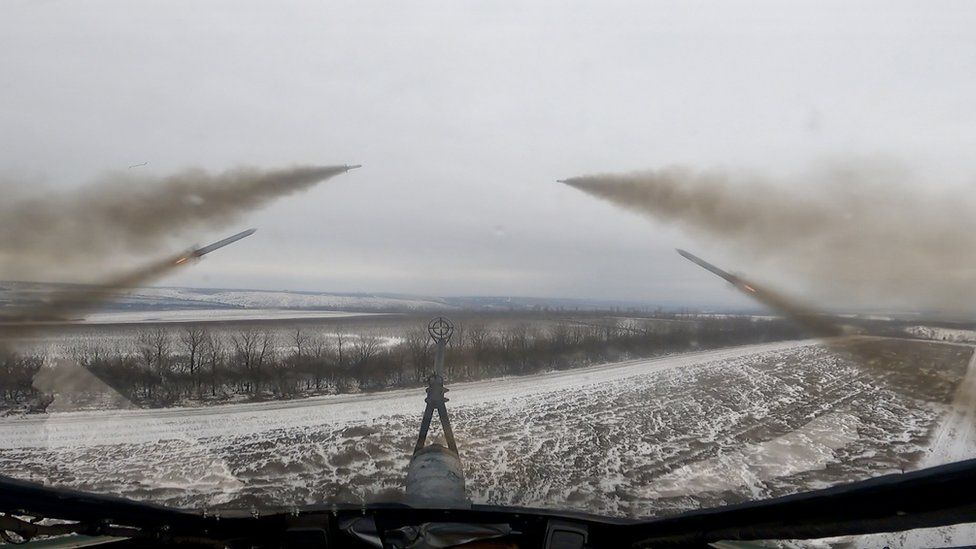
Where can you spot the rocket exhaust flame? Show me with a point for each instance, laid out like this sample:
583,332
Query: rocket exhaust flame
816,323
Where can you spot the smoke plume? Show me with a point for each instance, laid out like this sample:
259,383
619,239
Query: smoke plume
123,214
858,236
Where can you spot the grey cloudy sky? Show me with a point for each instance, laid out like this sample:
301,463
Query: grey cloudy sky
464,114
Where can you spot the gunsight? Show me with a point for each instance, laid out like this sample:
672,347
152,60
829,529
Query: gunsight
435,475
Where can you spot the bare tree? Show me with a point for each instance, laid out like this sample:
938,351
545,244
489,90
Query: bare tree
155,349
268,348
398,355
301,341
340,339
88,351
249,353
216,352
318,359
457,339
17,376
365,346
479,339
558,343
339,366
515,344
193,338
578,333
418,346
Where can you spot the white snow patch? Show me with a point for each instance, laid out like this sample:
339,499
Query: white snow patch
808,448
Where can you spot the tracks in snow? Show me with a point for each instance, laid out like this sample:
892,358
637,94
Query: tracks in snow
955,438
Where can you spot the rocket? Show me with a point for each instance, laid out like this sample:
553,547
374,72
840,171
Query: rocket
734,280
200,252
220,244
817,323
76,301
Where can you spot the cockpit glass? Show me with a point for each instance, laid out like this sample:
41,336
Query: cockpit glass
263,256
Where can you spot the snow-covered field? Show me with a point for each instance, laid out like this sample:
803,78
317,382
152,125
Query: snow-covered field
210,315
16,293
262,299
639,438
19,293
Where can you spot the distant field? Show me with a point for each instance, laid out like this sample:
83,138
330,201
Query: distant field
210,315
149,299
122,328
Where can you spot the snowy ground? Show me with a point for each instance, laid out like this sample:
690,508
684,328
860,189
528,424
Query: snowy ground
639,438
955,438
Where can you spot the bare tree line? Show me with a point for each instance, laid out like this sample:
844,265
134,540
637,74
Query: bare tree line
17,378
163,367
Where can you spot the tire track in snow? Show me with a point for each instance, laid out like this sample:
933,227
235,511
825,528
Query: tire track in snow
955,438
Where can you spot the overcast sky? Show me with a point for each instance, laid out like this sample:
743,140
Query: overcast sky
465,113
